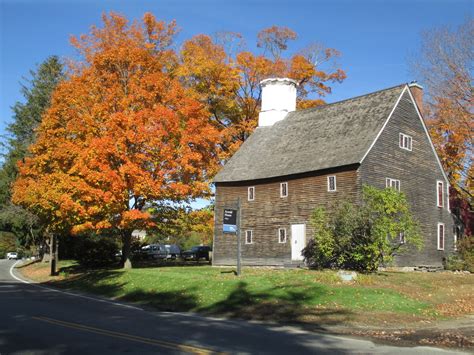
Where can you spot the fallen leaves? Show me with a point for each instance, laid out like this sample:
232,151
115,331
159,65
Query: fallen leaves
460,306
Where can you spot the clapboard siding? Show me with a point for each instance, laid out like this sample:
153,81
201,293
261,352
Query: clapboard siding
418,171
269,212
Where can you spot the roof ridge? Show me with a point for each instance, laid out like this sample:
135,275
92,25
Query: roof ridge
299,143
348,99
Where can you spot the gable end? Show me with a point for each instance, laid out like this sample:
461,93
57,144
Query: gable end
428,136
406,88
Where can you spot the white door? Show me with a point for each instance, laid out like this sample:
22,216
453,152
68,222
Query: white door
298,241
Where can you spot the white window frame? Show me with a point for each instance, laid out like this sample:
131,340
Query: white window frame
279,239
401,142
444,234
388,183
281,189
448,206
401,238
251,198
438,202
251,236
329,183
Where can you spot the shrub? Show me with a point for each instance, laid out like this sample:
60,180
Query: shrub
95,250
362,237
464,259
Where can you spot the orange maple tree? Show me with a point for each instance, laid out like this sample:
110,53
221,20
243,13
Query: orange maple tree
121,133
225,77
444,66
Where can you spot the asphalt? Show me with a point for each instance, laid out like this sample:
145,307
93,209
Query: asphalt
38,320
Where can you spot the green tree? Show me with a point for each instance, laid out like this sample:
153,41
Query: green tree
7,243
27,115
365,236
182,225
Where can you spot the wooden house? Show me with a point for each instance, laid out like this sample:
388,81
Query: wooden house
297,160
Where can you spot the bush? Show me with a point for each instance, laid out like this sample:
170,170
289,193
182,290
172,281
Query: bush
362,237
464,260
95,250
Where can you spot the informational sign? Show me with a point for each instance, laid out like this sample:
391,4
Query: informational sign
230,221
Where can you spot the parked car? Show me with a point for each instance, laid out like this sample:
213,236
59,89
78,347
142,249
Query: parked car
197,253
173,250
161,251
12,255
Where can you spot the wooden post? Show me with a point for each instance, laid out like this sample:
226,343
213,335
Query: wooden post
239,237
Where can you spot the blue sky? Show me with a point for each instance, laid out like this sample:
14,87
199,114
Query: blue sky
375,37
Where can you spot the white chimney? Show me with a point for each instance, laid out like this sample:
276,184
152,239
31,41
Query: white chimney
278,98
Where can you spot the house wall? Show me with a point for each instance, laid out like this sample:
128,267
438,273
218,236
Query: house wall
418,171
269,212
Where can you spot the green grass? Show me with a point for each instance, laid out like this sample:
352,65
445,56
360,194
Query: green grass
277,294
208,289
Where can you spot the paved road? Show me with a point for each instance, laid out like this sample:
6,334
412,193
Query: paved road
38,320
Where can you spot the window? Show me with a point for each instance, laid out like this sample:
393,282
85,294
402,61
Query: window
331,183
440,236
251,193
401,237
249,237
394,184
456,233
284,189
447,198
405,142
439,194
281,235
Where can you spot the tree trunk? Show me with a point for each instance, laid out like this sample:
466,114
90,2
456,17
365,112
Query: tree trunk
54,255
46,250
126,243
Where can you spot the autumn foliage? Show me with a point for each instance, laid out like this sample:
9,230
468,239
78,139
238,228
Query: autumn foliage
225,77
445,67
121,132
137,122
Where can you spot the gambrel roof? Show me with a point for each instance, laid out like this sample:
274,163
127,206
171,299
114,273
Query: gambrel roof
323,137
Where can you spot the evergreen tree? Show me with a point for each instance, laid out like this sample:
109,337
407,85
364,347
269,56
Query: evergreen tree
27,115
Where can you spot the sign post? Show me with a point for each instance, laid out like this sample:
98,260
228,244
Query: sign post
231,225
230,221
239,251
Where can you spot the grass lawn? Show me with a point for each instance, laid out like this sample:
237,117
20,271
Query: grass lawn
303,296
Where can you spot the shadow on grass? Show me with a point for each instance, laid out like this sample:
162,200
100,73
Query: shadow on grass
289,307
105,282
281,304
153,263
101,282
170,301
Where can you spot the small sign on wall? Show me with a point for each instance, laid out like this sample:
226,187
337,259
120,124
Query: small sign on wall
230,221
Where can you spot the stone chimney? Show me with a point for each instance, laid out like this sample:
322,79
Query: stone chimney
417,92
278,98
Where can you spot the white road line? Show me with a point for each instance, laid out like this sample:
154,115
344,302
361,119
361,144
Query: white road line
14,276
70,293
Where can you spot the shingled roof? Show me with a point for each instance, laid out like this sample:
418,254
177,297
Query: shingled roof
323,137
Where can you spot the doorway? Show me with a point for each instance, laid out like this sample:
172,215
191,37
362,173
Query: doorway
298,241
